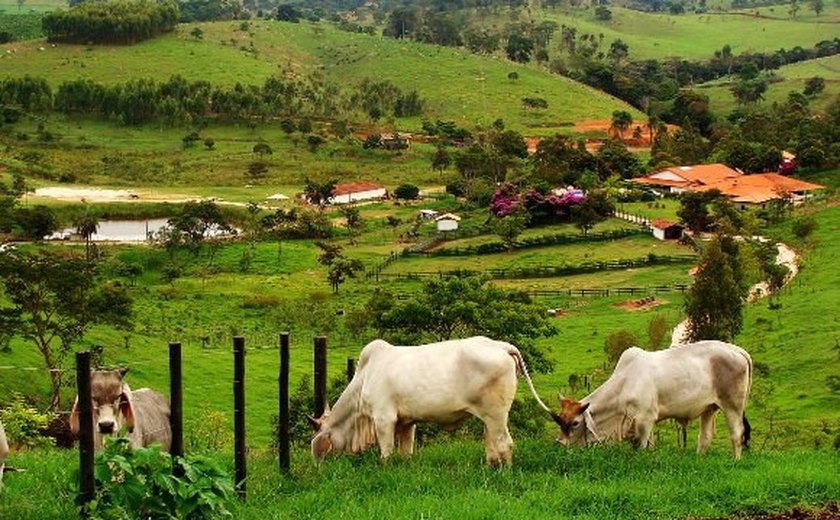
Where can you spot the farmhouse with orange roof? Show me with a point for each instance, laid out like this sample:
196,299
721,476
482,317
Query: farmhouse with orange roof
743,190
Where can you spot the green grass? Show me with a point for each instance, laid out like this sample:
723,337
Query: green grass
449,480
39,6
793,79
456,84
695,36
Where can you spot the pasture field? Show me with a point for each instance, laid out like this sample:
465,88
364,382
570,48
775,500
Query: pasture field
693,36
793,79
456,85
448,479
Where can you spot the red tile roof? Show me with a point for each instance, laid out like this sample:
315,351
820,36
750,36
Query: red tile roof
356,187
686,176
661,223
760,187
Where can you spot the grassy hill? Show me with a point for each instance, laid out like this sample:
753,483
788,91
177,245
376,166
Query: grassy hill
456,84
694,36
793,78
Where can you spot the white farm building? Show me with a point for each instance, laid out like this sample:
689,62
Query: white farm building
357,191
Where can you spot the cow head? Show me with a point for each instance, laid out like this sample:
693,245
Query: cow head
112,406
573,420
322,443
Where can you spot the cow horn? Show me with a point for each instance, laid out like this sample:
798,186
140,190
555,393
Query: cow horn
560,397
313,422
122,371
327,408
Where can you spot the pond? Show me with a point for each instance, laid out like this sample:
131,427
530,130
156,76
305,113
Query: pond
119,231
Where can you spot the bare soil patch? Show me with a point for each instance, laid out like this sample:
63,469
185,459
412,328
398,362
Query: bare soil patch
828,512
641,304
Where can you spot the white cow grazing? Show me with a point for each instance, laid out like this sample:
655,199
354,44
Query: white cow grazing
145,413
4,452
396,387
694,380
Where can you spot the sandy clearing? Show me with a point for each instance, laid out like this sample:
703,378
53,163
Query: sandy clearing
109,195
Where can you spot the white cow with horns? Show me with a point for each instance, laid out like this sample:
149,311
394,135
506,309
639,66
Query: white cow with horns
144,412
396,387
694,380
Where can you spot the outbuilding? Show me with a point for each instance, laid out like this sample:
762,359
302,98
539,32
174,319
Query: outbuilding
447,222
357,191
665,229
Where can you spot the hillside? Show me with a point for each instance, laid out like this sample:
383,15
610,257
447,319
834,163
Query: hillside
456,84
694,36
792,78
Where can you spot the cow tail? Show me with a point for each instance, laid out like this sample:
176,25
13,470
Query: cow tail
520,365
745,438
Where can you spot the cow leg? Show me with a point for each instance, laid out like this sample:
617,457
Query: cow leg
405,438
385,435
707,430
498,440
735,422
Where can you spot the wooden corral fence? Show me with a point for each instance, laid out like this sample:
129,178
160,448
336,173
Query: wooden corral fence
546,271
87,482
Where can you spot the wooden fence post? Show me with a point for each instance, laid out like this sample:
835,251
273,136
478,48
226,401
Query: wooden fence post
320,375
351,369
240,467
87,484
283,441
176,405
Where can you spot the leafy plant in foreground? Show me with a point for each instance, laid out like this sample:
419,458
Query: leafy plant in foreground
139,483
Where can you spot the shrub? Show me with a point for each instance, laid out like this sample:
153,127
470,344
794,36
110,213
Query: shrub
207,432
138,483
260,301
617,343
803,227
407,192
25,426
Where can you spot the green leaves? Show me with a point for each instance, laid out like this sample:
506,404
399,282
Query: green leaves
138,483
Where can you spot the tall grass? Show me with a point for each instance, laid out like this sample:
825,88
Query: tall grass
450,480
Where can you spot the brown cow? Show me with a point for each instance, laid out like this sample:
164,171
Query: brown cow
144,413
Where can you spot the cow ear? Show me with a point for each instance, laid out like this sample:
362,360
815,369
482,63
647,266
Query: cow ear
560,397
583,407
127,410
74,418
122,371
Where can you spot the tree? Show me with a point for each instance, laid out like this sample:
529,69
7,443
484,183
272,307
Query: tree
352,221
616,343
55,299
519,48
441,159
86,226
817,6
621,121
209,143
197,33
509,228
262,149
339,267
319,193
603,13
196,222
407,192
595,208
510,143
36,222
749,91
462,307
714,304
313,141
814,86
257,169
694,211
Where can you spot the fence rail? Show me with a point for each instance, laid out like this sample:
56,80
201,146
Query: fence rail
545,271
537,241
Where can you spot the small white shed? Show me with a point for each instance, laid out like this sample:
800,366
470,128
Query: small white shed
447,222
428,214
